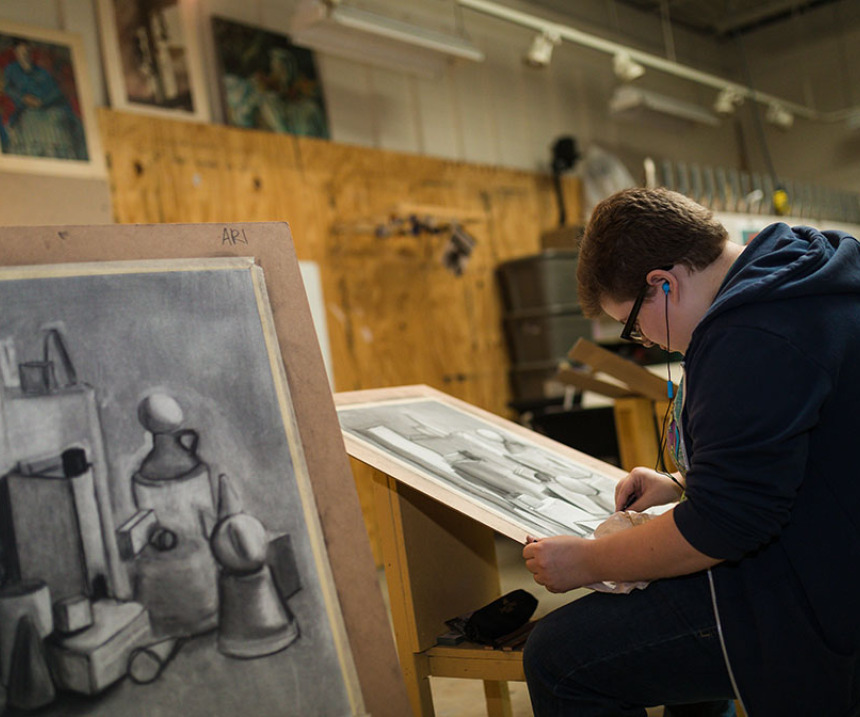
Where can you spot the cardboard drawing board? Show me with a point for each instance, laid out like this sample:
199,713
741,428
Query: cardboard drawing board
516,481
366,621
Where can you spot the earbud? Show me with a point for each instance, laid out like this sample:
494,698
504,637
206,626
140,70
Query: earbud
665,287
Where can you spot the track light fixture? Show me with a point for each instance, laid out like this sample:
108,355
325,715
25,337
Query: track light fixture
576,36
778,115
728,100
540,52
626,68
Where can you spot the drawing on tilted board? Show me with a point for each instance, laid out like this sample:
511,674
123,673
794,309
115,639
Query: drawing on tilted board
158,553
525,484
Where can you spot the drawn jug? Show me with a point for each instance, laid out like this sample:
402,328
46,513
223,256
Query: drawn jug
176,576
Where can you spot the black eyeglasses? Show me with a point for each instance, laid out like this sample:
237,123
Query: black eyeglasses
631,331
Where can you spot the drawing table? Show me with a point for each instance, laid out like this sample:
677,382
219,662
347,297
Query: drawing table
440,563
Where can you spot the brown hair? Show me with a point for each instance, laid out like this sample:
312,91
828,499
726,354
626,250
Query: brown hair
636,231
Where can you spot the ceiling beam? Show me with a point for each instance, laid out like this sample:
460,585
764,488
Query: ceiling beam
739,20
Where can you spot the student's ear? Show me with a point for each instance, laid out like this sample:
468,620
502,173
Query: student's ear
664,281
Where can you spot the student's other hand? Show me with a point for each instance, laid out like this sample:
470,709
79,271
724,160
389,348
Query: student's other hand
559,563
644,488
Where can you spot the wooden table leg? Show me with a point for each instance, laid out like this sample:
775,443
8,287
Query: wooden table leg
438,564
637,438
498,696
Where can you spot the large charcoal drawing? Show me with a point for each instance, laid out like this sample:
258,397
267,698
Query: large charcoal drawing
531,488
157,546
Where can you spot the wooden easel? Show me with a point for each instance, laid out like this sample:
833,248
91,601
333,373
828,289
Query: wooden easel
349,554
640,401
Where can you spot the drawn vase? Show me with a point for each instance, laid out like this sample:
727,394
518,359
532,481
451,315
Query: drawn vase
176,575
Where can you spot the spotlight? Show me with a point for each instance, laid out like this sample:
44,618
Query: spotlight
540,52
626,68
777,115
728,100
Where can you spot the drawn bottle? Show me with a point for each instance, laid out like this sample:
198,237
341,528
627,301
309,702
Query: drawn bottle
176,576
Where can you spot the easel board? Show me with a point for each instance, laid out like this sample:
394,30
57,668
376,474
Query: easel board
270,243
511,479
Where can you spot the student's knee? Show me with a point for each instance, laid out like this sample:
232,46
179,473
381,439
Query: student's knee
538,654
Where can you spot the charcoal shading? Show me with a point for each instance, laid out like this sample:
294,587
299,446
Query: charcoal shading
155,557
540,491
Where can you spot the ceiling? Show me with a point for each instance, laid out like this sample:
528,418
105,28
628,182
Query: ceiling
717,19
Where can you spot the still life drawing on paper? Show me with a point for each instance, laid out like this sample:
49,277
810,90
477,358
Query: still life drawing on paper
159,550
502,478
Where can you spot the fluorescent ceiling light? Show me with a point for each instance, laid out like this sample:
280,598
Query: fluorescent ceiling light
633,103
347,31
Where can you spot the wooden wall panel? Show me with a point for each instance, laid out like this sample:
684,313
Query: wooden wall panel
395,315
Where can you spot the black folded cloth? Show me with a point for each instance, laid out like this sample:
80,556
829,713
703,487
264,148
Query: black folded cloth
496,619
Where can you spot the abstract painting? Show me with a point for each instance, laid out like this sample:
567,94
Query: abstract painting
46,108
513,480
152,60
160,552
267,82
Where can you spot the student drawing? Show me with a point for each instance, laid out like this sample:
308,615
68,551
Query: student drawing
544,493
157,555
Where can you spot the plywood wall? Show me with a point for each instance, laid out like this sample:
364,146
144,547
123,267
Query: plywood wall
395,315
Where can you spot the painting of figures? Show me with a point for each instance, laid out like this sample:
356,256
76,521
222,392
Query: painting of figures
160,552
267,82
152,61
517,482
46,119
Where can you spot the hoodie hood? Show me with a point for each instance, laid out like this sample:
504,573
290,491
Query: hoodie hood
785,262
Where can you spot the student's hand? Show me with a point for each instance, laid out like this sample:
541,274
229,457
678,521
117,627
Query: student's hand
558,563
645,488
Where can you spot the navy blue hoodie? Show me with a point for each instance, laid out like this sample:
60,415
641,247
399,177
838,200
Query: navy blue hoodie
771,426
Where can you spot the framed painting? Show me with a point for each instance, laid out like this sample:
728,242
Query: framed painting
160,548
47,121
152,59
517,482
267,82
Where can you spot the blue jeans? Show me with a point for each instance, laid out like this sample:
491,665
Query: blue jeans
614,655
